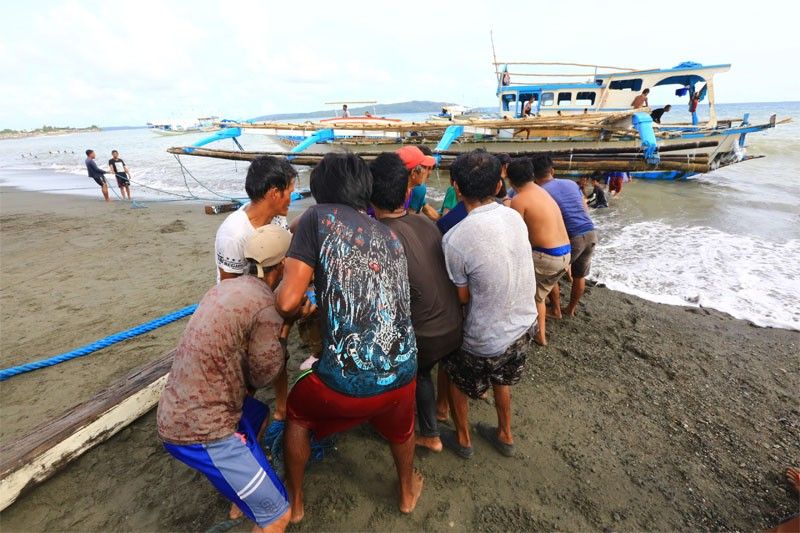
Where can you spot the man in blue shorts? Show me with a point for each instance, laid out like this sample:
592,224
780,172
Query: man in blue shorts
207,418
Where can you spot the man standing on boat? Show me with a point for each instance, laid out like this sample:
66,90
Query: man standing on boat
345,112
658,113
96,173
121,172
641,100
206,417
580,228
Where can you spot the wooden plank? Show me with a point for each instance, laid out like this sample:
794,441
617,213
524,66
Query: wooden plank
47,448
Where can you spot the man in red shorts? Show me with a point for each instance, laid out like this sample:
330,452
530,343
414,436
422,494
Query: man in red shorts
367,369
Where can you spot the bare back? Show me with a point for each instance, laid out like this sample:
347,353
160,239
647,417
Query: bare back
542,216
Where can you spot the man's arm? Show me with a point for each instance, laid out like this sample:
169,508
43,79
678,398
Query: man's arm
297,277
430,212
463,295
265,353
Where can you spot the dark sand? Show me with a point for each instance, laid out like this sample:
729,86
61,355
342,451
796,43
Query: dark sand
638,416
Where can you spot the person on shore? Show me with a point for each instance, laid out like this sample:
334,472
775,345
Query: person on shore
641,100
419,165
269,185
658,113
345,112
546,233
96,173
206,418
367,369
597,199
580,228
121,172
435,309
491,275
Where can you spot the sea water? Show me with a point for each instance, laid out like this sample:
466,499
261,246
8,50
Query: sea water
729,240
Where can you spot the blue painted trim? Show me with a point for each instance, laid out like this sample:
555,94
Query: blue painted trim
654,71
450,134
317,137
226,133
643,123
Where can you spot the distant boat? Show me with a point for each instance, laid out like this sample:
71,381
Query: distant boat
182,127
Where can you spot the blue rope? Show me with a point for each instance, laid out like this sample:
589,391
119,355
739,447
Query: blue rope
98,345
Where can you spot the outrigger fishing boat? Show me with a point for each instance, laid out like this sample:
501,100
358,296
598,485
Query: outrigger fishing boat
585,126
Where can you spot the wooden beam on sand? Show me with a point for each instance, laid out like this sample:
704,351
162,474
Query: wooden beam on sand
49,447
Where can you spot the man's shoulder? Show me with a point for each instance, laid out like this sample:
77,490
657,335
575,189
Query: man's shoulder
236,224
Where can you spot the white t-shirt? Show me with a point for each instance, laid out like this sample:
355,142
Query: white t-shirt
489,252
231,238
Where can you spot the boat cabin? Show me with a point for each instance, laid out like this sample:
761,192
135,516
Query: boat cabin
607,89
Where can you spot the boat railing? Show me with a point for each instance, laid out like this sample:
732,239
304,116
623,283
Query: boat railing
549,70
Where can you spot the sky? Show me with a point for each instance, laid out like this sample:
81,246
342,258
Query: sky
77,63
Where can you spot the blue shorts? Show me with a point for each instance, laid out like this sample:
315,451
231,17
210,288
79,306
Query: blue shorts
238,468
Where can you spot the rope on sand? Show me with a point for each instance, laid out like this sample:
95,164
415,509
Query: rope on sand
7,373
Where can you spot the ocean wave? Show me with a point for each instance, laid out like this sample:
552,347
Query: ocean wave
702,266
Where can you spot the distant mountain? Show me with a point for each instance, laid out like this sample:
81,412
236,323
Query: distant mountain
414,106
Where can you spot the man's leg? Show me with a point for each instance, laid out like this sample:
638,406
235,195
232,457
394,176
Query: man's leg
127,192
578,286
541,309
502,403
281,387
426,411
442,394
459,409
104,188
296,450
555,301
410,480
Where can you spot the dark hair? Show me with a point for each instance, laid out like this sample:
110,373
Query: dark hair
88,152
646,91
667,107
520,171
342,179
476,173
542,166
114,151
389,181
504,158
265,173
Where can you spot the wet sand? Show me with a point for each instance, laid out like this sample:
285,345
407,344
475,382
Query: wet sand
638,416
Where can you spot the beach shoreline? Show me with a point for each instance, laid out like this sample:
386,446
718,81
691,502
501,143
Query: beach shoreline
638,415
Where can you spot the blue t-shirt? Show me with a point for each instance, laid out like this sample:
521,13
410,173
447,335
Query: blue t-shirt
417,198
568,196
453,217
363,294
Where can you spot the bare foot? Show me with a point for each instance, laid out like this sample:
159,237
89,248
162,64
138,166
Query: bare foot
793,477
570,311
432,443
409,501
443,416
298,512
540,340
235,513
553,312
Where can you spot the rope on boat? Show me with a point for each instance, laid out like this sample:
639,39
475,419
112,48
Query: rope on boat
7,373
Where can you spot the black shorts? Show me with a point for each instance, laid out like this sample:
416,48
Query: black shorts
122,180
473,375
100,180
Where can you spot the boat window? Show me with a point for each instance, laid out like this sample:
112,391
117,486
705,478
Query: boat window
631,85
547,98
564,99
585,98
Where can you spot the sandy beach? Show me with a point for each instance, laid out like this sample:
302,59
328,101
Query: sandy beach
638,416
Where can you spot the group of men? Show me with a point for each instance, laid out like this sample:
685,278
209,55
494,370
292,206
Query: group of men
116,166
395,296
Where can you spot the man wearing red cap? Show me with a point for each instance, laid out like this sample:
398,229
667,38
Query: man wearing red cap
419,167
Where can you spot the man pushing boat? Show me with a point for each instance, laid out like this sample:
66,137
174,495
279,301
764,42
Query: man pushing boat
206,418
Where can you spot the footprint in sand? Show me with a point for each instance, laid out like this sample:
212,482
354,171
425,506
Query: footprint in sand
173,227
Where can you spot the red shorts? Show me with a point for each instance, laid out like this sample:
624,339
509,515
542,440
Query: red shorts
317,407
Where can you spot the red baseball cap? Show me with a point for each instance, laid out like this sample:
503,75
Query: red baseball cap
413,156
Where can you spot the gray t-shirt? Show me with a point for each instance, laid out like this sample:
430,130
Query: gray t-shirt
489,252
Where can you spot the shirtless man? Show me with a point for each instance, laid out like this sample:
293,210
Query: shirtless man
546,233
641,100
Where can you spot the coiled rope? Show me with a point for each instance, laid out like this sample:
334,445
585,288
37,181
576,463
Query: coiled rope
7,373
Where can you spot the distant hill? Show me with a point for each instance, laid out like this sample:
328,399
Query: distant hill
414,106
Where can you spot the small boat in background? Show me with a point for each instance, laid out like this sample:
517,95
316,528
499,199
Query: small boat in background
182,127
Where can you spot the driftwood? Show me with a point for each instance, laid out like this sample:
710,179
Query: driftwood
28,461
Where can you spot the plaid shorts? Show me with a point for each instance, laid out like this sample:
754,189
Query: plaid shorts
473,375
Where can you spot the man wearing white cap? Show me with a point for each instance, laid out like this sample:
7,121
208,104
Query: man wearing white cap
206,416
